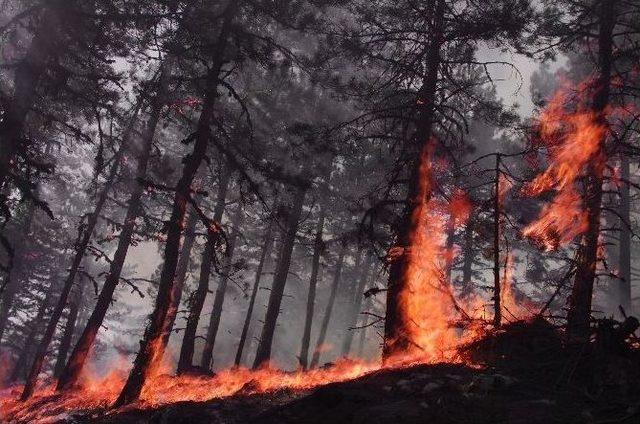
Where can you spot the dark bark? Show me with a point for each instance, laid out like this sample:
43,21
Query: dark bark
328,310
181,272
185,361
151,347
262,263
451,233
69,330
263,353
318,248
363,332
80,249
351,286
221,291
395,338
497,308
354,310
624,254
579,314
34,327
11,285
70,374
365,319
27,77
469,257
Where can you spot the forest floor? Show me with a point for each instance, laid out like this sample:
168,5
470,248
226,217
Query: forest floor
527,375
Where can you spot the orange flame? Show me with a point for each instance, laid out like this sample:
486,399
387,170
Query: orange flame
573,138
513,308
459,207
426,303
504,185
99,393
428,313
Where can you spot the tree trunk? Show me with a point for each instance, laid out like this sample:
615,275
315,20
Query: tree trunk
451,233
80,248
351,286
264,258
198,297
181,271
318,248
11,283
27,76
20,367
624,254
69,330
579,314
352,314
365,320
263,353
469,256
395,335
327,312
71,372
152,346
497,308
221,291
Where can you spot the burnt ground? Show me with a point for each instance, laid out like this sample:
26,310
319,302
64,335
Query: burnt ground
528,376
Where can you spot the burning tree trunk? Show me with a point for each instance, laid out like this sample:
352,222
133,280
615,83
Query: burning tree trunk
354,310
263,354
221,291
579,314
70,374
264,257
497,308
396,338
196,302
152,346
69,330
318,248
80,248
624,254
327,312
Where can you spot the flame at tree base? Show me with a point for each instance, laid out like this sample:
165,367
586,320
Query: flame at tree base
98,394
429,313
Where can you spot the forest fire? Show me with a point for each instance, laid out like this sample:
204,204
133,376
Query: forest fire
428,307
572,133
99,393
291,209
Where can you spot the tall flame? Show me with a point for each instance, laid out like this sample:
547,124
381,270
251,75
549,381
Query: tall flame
426,303
572,137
